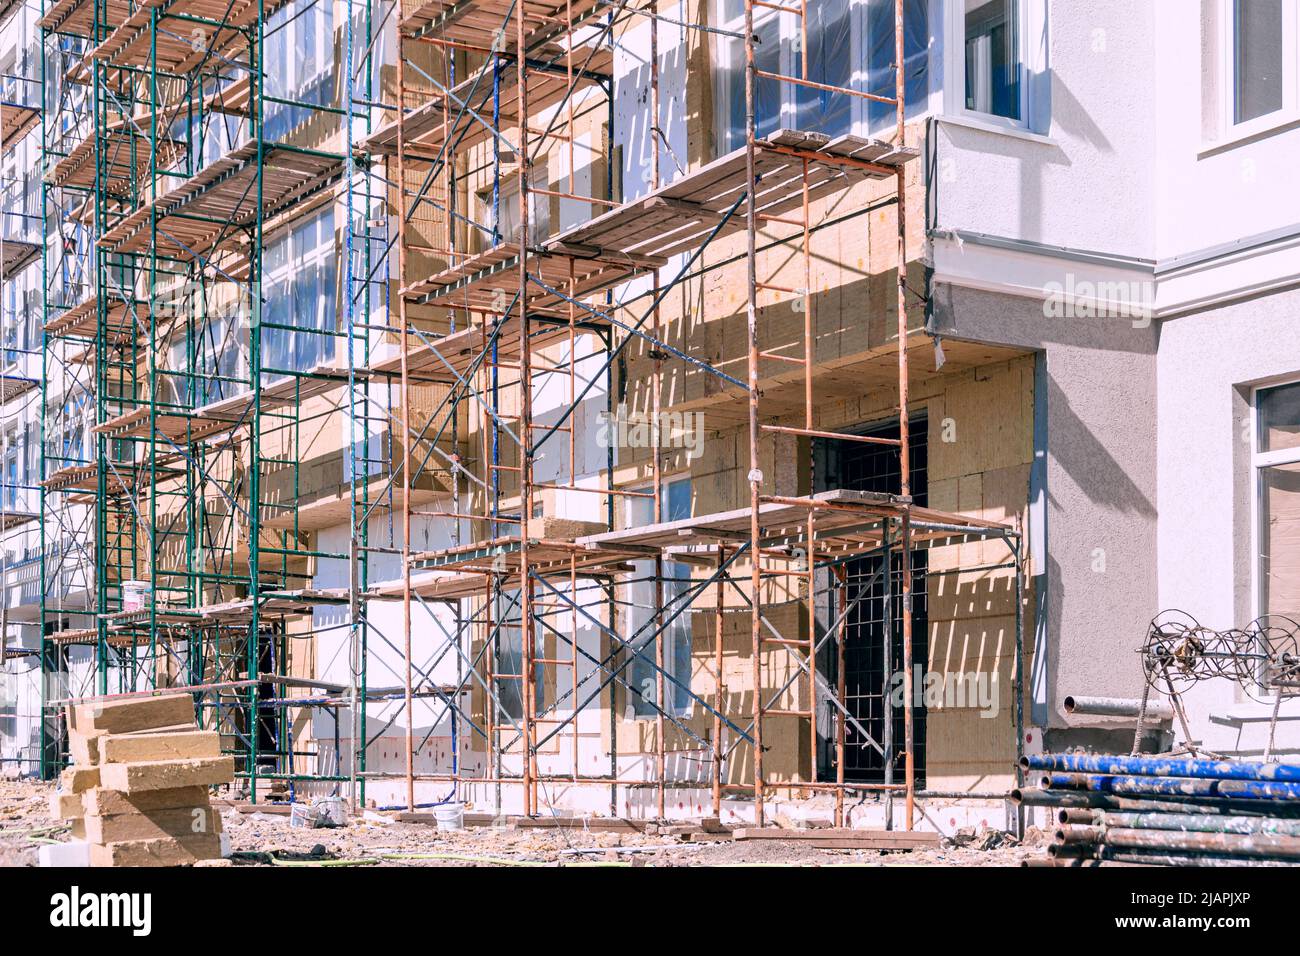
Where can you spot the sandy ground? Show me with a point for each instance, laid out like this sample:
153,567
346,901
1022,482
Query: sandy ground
267,839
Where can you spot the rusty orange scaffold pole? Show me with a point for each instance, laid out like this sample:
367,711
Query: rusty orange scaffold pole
405,393
755,475
529,673
904,451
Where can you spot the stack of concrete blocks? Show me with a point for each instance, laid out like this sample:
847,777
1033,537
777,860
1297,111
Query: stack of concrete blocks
137,792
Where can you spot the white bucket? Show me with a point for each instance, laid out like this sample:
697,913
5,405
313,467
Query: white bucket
450,816
330,811
302,815
136,595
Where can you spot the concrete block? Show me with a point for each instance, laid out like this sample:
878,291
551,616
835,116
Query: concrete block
165,851
78,779
167,774
75,853
101,802
153,825
150,747
66,806
84,748
127,716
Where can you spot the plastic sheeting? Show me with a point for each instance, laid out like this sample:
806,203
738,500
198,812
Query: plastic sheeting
850,45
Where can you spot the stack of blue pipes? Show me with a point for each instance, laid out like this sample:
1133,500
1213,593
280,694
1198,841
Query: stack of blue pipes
1165,811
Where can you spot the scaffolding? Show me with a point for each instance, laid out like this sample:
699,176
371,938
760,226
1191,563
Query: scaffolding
20,383
172,160
454,318
512,296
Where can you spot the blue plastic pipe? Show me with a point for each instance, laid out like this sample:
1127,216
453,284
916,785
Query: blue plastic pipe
1163,767
1173,786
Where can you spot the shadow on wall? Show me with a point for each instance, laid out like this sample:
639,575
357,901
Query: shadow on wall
1095,471
633,120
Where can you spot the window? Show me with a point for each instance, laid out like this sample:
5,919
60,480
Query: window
12,456
300,278
508,611
299,54
674,504
1277,466
1260,53
997,63
219,363
991,39
850,45
506,206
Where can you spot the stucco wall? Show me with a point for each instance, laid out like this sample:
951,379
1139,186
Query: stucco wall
1207,364
1068,185
1100,563
1208,189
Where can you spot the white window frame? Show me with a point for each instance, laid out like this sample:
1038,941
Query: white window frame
1030,39
1290,109
1259,460
298,29
322,255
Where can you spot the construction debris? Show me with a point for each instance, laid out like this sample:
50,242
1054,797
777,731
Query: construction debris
138,792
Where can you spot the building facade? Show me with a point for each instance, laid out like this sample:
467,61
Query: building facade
310,436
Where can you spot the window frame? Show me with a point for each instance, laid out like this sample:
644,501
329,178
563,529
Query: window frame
671,569
1290,108
507,615
286,277
1259,461
305,25
1031,22
727,49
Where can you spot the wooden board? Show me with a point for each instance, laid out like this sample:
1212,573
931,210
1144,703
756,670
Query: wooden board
489,281
86,635
333,505
644,233
293,603
232,99
81,320
450,358
170,427
78,16
127,155
14,519
16,121
12,386
503,555
122,477
442,119
433,586
208,210
844,838
853,523
172,47
479,22
290,390
18,255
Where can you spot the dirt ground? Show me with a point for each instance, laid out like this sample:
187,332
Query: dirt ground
266,839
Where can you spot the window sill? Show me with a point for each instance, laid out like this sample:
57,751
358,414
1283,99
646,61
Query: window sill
1285,121
1015,132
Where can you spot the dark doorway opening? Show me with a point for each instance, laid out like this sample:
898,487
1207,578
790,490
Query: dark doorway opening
255,721
873,669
